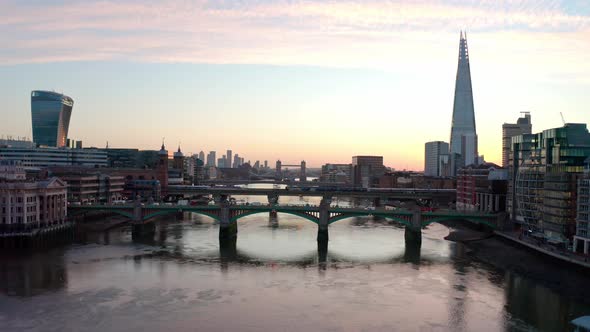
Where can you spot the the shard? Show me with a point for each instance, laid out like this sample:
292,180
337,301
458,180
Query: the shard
463,146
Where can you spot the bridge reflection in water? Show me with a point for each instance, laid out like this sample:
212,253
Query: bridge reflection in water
179,239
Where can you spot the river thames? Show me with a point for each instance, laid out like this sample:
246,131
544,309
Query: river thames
275,280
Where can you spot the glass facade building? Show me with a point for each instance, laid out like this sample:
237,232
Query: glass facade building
544,172
463,134
37,158
582,237
50,112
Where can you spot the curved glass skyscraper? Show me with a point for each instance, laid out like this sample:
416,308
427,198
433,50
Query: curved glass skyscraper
51,113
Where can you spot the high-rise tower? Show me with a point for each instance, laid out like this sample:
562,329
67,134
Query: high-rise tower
463,134
50,113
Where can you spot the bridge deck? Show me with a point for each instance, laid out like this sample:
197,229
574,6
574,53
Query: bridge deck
402,193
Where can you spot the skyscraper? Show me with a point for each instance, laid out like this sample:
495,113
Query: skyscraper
228,159
463,134
50,113
211,159
432,153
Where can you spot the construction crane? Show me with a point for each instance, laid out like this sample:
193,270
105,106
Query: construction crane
562,119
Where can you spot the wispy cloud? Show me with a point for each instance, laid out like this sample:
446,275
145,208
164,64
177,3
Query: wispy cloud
360,33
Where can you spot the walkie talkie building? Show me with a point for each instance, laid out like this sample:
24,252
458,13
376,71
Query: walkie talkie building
50,112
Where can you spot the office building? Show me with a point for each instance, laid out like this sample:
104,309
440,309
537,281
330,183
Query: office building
189,170
228,158
336,173
482,188
522,126
544,169
36,158
211,159
11,170
463,134
582,237
90,186
131,158
50,113
432,153
145,190
222,162
366,170
124,158
16,143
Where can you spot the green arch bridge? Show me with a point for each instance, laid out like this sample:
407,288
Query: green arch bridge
323,215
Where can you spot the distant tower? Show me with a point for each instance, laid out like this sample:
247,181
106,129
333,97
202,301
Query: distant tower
228,160
162,169
463,134
279,170
178,159
303,173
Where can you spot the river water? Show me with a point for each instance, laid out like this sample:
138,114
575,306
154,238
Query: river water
275,280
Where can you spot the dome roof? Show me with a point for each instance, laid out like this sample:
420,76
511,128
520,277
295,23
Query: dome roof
163,151
178,153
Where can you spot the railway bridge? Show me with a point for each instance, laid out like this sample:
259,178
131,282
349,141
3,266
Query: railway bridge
228,215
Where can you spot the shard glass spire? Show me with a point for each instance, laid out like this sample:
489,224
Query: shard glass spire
463,134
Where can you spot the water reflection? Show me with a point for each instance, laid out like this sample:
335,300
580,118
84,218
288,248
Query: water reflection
276,275
32,274
539,306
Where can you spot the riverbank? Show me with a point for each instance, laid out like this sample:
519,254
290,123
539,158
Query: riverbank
546,249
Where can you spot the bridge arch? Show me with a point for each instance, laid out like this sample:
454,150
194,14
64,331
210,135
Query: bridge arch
358,214
474,220
295,213
166,212
106,209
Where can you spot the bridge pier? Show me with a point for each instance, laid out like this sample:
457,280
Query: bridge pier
322,250
228,229
413,233
273,218
377,202
273,199
179,215
324,221
142,231
228,249
412,249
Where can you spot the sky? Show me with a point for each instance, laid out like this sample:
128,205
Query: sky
312,80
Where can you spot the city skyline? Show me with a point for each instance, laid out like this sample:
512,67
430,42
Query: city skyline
294,81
